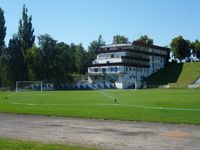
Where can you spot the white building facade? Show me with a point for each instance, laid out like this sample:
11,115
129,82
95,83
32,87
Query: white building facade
127,65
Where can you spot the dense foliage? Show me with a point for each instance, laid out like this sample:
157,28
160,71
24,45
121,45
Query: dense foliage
2,44
119,39
144,39
180,47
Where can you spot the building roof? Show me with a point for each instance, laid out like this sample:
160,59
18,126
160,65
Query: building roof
116,45
136,44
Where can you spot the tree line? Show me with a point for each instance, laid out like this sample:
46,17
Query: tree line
57,62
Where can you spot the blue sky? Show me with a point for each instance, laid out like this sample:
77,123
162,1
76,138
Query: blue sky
81,21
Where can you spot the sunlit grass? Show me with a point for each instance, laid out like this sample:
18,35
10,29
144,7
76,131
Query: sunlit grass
10,144
100,104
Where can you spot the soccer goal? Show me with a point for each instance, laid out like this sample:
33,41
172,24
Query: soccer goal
28,86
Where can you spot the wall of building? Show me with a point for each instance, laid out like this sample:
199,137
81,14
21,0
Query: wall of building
126,76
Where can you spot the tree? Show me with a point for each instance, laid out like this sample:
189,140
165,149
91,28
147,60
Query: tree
2,43
26,31
26,36
180,48
52,68
2,30
93,47
33,62
195,46
144,39
15,61
71,58
5,71
100,41
79,58
63,50
119,39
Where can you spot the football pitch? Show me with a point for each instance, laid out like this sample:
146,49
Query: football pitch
156,105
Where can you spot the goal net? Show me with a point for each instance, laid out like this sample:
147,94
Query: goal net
28,86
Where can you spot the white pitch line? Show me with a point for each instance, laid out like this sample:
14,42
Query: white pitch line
123,105
9,95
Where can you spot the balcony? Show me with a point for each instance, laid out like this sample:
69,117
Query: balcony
108,60
108,70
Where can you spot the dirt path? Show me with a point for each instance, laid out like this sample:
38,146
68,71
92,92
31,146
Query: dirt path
106,134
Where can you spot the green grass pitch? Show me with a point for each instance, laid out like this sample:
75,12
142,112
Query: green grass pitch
157,105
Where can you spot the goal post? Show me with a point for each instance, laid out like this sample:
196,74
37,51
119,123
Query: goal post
29,86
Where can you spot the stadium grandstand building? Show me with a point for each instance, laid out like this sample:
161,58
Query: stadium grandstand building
126,65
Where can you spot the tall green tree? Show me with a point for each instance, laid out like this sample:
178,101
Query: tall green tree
79,58
93,47
15,61
2,43
180,48
52,68
2,30
71,58
144,39
25,30
26,37
63,49
120,39
33,61
100,41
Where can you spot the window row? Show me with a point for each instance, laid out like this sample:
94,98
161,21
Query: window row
142,70
137,55
155,58
137,62
157,65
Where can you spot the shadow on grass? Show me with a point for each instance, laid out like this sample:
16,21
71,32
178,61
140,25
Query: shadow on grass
170,74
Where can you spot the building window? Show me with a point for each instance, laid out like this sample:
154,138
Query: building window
152,58
95,69
103,70
113,69
112,56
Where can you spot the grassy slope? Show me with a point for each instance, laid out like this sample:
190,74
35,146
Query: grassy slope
176,75
97,104
10,144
